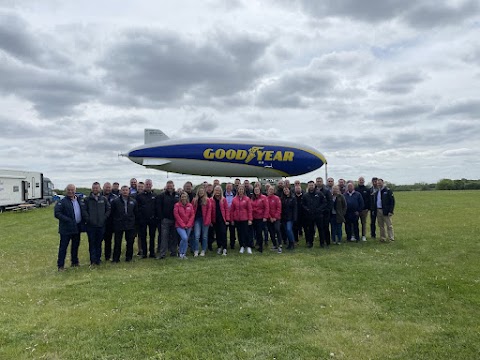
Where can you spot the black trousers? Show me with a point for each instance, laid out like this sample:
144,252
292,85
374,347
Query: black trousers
351,226
310,230
326,227
151,226
243,234
298,229
117,248
274,229
107,240
221,233
373,220
257,226
62,249
231,232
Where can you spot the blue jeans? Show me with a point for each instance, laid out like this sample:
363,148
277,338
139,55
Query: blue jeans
289,228
95,237
184,234
335,228
200,229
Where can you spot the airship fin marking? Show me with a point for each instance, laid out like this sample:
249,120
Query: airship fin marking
154,135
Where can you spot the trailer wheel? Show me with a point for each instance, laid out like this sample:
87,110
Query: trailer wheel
2,209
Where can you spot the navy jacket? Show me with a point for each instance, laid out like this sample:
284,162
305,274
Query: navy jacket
388,200
365,192
354,202
289,208
121,220
95,212
146,207
66,217
313,204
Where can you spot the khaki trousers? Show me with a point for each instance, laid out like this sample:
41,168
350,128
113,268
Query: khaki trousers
363,220
382,221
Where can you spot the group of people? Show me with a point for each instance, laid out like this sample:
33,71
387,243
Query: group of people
251,213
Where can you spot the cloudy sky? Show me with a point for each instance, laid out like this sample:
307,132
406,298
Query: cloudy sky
386,88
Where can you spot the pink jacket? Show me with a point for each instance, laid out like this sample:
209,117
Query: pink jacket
260,207
223,208
184,215
206,211
275,205
241,209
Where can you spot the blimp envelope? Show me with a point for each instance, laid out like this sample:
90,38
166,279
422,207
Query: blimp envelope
217,157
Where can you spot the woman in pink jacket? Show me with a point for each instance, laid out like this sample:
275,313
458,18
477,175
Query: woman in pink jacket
184,217
220,219
203,219
261,212
275,214
241,216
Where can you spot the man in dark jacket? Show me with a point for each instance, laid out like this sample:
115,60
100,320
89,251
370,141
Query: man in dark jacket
108,234
124,212
164,213
146,219
326,213
354,207
298,225
365,192
314,204
69,215
373,209
385,204
95,211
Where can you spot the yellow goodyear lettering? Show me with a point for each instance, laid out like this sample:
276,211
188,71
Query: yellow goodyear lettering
255,152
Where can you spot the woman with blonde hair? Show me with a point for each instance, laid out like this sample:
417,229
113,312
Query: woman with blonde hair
203,219
184,217
220,219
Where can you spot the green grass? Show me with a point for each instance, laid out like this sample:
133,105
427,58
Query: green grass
416,298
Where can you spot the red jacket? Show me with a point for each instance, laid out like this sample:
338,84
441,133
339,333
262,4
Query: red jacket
206,211
184,215
241,209
260,207
223,208
275,205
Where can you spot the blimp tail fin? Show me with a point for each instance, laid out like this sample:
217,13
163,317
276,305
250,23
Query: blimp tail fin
155,162
154,135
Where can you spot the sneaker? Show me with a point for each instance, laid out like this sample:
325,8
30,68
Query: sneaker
279,250
273,248
219,251
61,268
242,250
202,253
195,253
364,238
183,257
224,252
249,250
352,238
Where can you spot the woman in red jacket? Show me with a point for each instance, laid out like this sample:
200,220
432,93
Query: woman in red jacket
220,219
260,212
203,219
241,216
275,214
184,217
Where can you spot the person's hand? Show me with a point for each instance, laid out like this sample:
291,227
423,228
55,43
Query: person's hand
233,222
390,214
356,213
227,223
264,220
249,222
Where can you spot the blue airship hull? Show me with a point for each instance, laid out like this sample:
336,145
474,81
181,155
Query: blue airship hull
229,158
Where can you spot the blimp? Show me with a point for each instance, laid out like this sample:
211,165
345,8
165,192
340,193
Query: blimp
229,158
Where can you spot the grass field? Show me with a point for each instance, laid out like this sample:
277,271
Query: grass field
416,298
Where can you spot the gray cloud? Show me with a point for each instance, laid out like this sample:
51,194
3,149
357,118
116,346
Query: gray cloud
20,41
202,123
296,88
401,83
164,66
422,14
469,108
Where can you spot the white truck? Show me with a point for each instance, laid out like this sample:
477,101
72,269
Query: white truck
23,187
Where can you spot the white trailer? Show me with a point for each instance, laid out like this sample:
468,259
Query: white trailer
20,187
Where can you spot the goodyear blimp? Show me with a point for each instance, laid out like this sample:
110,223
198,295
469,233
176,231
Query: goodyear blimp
217,157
